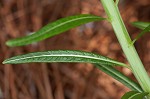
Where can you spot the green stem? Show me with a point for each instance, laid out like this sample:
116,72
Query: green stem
124,39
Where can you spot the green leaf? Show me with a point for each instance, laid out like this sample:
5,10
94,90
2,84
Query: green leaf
146,30
141,25
119,76
117,2
54,28
134,95
62,56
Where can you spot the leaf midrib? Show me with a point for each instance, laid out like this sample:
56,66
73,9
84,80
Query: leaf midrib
80,56
39,33
134,95
121,78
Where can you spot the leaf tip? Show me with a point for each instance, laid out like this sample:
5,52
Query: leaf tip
8,43
4,62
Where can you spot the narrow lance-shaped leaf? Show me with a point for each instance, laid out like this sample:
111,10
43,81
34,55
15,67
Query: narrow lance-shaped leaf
119,76
62,56
146,30
54,28
134,95
141,25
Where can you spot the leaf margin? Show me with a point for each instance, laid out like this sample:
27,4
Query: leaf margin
44,33
134,95
62,53
114,73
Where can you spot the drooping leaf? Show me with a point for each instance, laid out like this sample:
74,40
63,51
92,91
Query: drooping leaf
134,95
146,30
141,25
119,76
54,28
62,56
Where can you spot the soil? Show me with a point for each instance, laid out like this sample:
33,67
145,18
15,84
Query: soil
65,80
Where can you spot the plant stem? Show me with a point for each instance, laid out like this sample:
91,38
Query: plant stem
124,39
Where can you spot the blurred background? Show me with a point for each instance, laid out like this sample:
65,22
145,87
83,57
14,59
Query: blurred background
64,80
